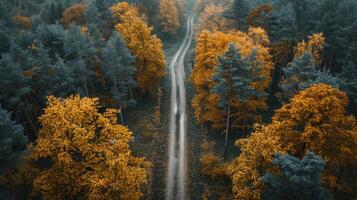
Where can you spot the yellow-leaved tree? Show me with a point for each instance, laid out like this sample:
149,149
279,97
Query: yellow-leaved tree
146,47
87,153
169,17
211,19
209,47
74,13
315,46
314,120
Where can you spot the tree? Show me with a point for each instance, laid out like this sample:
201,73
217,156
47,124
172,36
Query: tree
12,140
211,19
314,120
297,179
51,11
74,13
314,46
79,49
247,170
14,86
238,11
88,152
349,82
234,83
211,164
302,73
119,70
169,17
209,47
146,48
23,21
256,16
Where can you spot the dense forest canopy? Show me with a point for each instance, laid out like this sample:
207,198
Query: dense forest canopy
277,78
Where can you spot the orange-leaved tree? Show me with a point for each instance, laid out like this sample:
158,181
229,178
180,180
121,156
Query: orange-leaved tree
211,19
74,13
169,17
87,153
314,46
209,47
146,47
314,120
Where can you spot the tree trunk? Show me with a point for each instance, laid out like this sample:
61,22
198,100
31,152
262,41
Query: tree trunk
227,132
131,94
92,86
86,87
121,116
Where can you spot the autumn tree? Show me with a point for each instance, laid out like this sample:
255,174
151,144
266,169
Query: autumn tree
234,80
87,152
296,179
256,16
212,165
208,49
247,170
314,120
169,17
23,21
211,19
146,48
74,13
314,46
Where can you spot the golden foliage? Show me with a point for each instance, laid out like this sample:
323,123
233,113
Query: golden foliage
256,14
169,16
147,48
259,36
74,13
24,21
211,164
211,19
209,47
314,120
315,46
246,171
89,152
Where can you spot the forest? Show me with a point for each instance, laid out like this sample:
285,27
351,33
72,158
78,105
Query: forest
178,99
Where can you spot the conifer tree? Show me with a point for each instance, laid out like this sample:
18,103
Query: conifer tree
296,179
349,81
233,83
238,11
300,74
12,140
119,70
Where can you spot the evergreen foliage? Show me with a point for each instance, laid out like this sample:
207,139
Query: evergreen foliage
12,140
297,179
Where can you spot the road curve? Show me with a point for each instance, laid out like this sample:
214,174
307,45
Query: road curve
176,172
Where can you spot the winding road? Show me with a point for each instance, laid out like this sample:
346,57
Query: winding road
176,172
